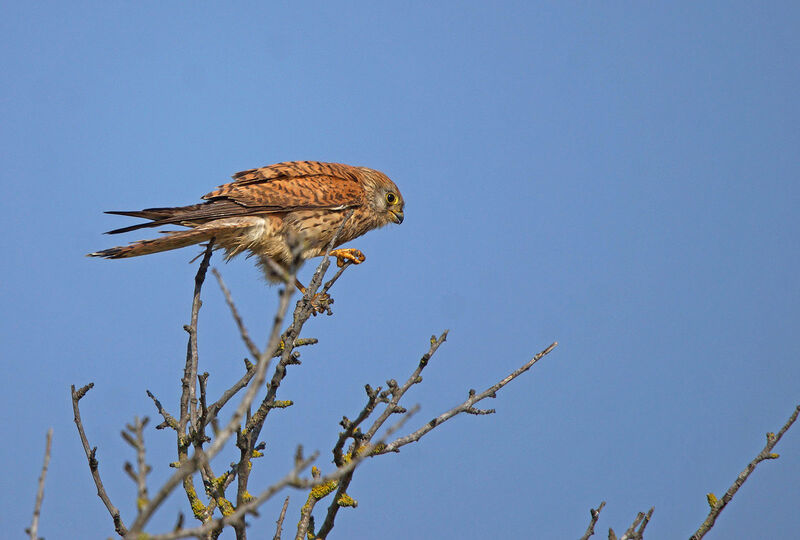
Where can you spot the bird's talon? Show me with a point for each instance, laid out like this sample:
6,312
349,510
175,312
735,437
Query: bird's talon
352,255
321,303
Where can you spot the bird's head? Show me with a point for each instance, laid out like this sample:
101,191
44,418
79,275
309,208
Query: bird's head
383,196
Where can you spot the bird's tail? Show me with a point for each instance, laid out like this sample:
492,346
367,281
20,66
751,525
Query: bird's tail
171,240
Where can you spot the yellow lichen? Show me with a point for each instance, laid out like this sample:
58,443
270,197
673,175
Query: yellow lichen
712,500
257,454
219,481
198,508
378,448
141,502
282,403
246,497
225,506
322,490
347,500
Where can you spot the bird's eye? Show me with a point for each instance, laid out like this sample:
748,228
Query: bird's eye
391,198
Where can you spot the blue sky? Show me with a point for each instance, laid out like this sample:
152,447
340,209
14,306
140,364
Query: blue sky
621,178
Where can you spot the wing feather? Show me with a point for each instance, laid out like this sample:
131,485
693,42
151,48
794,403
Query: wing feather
283,187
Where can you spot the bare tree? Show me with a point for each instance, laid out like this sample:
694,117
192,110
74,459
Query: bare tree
226,498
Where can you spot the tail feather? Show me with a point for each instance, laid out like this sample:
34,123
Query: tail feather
172,240
187,215
158,216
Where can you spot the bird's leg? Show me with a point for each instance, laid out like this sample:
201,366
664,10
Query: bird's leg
299,286
348,254
320,302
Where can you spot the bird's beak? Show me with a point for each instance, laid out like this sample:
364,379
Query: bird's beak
397,216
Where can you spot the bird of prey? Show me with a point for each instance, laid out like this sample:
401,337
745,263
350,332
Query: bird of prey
268,210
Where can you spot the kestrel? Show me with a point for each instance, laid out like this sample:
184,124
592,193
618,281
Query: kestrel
268,210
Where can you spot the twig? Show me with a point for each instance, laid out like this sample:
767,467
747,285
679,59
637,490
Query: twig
190,466
717,505
139,475
595,513
350,431
303,311
217,524
251,347
188,383
393,407
292,479
467,405
119,526
33,531
359,454
398,391
350,427
634,533
279,530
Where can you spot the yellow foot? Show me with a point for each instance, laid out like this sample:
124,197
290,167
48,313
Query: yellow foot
348,254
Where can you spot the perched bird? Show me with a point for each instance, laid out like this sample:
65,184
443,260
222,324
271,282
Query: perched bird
268,210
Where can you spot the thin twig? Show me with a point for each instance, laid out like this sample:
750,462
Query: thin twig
292,479
595,513
189,381
636,530
216,525
91,453
304,309
33,531
138,475
251,347
393,407
350,427
398,391
717,505
190,466
359,454
279,529
467,405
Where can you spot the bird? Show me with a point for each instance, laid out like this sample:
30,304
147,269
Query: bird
268,210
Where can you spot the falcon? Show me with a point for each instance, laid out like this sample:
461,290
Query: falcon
268,210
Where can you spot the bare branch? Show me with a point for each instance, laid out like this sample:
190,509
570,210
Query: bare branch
717,505
290,479
303,311
119,526
398,392
595,513
279,530
467,405
188,383
350,427
33,530
251,347
636,530
344,474
219,442
138,475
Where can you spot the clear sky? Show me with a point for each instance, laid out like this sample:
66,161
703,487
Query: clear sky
619,177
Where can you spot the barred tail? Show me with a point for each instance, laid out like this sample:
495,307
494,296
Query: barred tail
172,240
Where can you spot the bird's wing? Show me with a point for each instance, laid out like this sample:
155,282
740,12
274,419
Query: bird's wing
297,185
294,185
294,169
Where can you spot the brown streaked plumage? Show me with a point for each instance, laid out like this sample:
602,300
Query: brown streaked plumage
264,211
